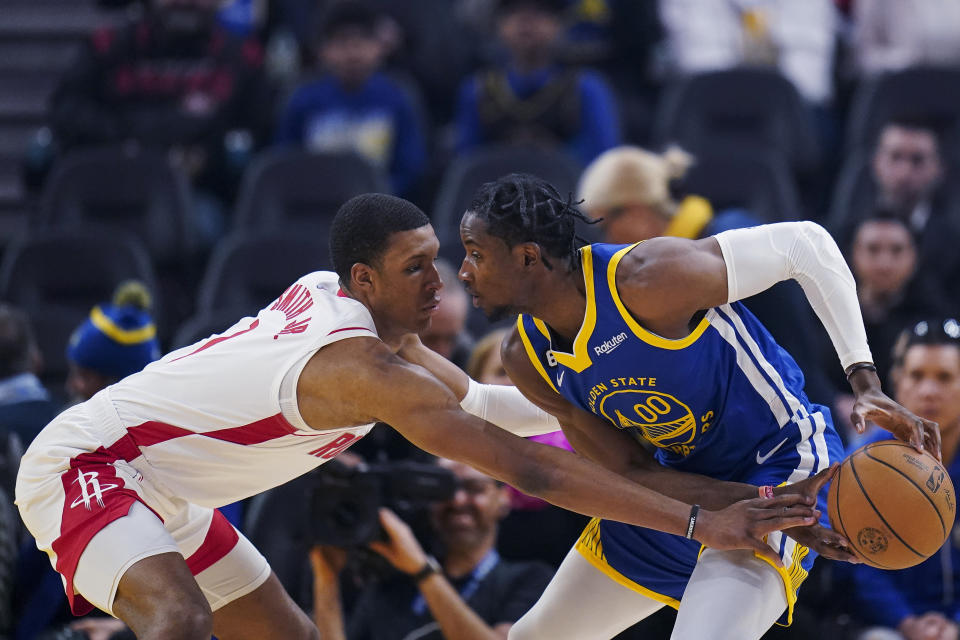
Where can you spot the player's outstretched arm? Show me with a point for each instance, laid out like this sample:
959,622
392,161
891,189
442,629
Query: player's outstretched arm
502,405
369,383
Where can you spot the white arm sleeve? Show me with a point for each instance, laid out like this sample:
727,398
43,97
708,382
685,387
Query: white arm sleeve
507,408
759,257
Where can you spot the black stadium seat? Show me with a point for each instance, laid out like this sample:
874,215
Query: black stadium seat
759,183
749,109
56,277
298,191
931,94
468,172
248,270
133,191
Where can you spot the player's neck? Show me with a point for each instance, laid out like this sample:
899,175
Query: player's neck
562,303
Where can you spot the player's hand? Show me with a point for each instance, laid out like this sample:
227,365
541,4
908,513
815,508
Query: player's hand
875,406
824,541
809,487
743,524
402,550
827,542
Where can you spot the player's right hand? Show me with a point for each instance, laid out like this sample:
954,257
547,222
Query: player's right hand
743,524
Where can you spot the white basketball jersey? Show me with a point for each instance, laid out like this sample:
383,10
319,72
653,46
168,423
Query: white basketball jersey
207,418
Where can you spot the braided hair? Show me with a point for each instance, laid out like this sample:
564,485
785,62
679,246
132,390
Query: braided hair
523,208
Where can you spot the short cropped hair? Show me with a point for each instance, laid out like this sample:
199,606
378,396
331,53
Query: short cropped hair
362,228
521,208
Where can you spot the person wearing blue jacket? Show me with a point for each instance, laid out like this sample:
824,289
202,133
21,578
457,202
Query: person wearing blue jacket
922,602
353,106
531,99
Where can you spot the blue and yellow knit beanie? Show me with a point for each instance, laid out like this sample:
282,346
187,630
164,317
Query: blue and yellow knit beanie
118,338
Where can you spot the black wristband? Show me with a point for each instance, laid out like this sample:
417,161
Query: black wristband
869,366
692,522
430,567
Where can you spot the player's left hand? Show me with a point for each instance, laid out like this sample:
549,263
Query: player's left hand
810,487
874,405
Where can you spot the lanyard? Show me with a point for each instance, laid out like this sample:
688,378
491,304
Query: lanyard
483,568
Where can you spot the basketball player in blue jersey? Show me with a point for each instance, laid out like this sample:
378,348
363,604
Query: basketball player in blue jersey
637,347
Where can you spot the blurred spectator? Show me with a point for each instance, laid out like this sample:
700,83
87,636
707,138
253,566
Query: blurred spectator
117,339
908,173
630,191
353,106
176,80
447,333
921,603
797,37
890,35
892,294
531,98
473,593
522,530
25,405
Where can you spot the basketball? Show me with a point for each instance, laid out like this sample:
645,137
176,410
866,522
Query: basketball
895,505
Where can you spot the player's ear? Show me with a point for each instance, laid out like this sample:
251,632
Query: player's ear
529,253
361,277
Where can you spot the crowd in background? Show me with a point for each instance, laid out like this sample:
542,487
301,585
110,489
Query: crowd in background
219,90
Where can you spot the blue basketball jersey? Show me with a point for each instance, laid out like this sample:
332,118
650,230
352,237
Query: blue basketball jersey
725,401
715,402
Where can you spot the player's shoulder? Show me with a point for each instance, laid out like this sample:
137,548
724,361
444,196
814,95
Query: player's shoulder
321,290
518,347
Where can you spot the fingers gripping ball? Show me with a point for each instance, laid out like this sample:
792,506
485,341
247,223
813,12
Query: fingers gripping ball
895,505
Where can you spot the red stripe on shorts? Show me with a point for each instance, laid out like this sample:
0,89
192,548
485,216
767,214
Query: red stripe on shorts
221,538
94,496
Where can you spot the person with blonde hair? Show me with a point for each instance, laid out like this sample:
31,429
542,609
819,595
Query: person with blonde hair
629,191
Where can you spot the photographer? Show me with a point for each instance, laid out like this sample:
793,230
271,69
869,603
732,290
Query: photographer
472,593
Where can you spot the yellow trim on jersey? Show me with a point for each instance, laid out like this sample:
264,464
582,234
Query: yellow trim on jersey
580,358
647,336
532,354
119,334
792,576
542,328
590,547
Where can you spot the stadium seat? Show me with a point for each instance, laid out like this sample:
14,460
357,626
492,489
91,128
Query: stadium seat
290,190
759,183
749,109
134,191
468,172
57,276
248,270
855,193
928,93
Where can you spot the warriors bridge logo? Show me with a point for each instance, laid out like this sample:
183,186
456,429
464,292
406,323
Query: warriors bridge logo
662,419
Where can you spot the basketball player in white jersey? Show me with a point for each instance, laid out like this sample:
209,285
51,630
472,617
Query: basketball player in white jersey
121,490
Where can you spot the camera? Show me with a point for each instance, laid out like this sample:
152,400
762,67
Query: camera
344,501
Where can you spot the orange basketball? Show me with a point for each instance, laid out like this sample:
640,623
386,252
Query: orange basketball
895,505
